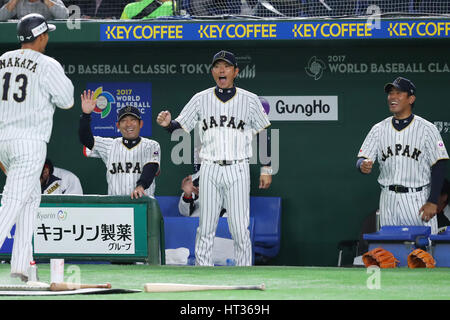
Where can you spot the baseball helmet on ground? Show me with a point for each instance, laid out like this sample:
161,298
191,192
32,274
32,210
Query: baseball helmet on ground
32,26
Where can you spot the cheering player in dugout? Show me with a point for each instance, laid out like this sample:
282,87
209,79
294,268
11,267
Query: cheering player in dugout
132,161
228,117
412,159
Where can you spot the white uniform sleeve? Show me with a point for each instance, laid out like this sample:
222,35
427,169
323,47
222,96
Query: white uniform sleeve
59,86
260,120
74,185
71,181
101,148
189,116
369,147
184,207
153,153
435,146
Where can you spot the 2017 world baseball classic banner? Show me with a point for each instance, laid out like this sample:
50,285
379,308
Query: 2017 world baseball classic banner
270,30
113,96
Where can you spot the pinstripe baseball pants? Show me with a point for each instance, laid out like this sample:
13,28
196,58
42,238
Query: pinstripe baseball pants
229,185
23,161
403,209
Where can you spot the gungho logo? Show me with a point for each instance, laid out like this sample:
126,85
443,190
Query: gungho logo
301,108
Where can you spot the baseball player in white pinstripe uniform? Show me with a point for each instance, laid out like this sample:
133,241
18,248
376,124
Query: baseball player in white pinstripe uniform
132,161
228,117
33,84
412,159
55,181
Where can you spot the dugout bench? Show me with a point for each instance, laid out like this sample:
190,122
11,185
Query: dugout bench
440,248
265,226
401,240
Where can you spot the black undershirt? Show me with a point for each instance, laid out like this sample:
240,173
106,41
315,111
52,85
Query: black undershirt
225,94
131,143
400,124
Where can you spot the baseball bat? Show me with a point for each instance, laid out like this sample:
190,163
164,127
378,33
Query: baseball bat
179,287
66,286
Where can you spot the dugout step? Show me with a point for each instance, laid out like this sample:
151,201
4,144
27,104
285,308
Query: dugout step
399,240
440,249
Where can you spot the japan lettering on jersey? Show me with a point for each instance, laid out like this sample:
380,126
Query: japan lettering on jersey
226,129
406,156
124,166
56,186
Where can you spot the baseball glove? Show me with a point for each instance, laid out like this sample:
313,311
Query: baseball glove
420,259
379,257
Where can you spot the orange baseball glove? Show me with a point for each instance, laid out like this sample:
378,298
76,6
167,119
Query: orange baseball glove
379,257
420,259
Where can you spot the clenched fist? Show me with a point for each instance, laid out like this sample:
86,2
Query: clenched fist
366,166
164,118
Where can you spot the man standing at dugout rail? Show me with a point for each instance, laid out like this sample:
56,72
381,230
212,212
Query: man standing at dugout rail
33,85
228,117
412,158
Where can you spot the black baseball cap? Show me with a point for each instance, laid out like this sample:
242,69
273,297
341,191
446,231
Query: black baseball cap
225,56
129,110
401,84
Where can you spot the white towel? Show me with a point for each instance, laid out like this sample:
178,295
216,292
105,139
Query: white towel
177,256
223,250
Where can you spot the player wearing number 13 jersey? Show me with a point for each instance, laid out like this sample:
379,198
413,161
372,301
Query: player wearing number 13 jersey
31,86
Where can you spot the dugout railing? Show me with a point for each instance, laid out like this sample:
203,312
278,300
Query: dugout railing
96,228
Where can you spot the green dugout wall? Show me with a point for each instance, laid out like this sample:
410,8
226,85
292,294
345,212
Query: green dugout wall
329,83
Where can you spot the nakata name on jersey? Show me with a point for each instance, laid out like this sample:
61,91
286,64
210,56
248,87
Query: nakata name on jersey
127,167
405,152
222,123
19,62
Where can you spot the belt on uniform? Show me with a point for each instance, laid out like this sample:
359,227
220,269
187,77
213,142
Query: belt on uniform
403,189
228,162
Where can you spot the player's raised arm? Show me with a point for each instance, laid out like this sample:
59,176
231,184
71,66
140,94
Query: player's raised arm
84,130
